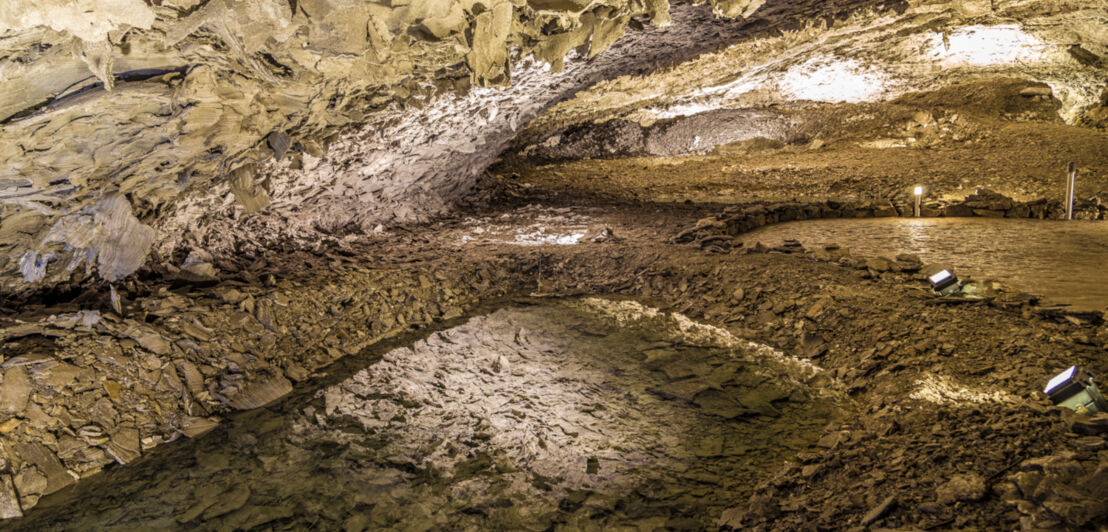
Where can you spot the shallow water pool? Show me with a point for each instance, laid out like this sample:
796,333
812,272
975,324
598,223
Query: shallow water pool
1064,261
578,414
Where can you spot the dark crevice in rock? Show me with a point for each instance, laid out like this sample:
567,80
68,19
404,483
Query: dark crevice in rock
67,95
277,68
27,111
147,73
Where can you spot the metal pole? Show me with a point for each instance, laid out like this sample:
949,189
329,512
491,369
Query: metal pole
917,205
1071,185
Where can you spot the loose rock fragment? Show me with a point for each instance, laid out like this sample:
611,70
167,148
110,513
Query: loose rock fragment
279,143
116,301
228,502
260,393
46,463
251,195
196,426
108,231
879,511
9,501
15,391
124,445
962,487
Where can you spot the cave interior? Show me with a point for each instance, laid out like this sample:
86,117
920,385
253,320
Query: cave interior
552,264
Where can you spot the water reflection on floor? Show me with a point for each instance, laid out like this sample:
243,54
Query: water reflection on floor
583,414
1065,261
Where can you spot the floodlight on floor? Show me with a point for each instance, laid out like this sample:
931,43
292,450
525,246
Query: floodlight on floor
945,283
1075,389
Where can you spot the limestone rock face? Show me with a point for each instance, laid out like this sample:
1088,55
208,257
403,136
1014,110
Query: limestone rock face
87,20
131,129
489,56
854,57
160,102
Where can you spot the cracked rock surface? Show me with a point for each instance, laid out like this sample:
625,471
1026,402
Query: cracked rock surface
81,390
944,387
584,413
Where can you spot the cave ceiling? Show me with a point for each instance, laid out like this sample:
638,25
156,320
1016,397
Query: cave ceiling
135,131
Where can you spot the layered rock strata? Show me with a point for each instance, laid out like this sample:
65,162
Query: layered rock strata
160,102
216,121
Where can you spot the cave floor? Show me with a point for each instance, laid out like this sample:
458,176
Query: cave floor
948,429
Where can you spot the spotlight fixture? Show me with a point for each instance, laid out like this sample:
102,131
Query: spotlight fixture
918,192
1075,389
945,283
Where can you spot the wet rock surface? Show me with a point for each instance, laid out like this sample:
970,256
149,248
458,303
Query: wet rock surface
579,414
209,209
1022,254
84,389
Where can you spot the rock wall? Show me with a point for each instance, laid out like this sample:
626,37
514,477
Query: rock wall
166,101
414,162
1001,134
954,113
265,123
698,133
864,57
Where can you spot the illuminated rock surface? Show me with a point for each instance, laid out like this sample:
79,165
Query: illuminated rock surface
583,413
